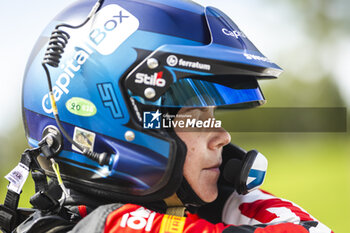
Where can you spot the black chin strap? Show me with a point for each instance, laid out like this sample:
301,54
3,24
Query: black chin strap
9,216
184,198
186,194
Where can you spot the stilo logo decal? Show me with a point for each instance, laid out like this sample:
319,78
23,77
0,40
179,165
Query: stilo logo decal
152,80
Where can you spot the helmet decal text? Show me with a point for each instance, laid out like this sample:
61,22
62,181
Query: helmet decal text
256,57
172,60
233,33
81,107
152,80
111,27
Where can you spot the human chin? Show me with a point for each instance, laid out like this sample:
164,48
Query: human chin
208,189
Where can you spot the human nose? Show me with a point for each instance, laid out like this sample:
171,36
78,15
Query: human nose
219,139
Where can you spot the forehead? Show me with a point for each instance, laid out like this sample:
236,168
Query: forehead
196,112
201,109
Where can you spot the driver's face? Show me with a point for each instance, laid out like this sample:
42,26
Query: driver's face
204,147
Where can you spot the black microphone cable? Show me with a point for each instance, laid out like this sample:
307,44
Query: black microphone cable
54,51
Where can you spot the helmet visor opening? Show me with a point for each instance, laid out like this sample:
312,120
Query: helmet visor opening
237,92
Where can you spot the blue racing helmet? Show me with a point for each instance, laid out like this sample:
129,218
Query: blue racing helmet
131,57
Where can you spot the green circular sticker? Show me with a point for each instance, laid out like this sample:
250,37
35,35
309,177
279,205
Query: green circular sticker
81,107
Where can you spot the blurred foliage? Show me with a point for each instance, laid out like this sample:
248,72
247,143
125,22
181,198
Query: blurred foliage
310,169
289,91
323,20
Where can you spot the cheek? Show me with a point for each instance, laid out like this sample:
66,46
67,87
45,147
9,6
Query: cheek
196,153
192,164
196,149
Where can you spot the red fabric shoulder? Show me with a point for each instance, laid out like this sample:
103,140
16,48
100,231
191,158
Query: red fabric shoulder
132,218
282,228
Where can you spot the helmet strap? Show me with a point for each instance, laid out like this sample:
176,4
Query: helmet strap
174,206
188,196
9,215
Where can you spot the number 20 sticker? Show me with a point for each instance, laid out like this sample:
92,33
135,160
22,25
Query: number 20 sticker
81,107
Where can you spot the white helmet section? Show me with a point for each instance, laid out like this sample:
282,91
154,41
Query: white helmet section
257,173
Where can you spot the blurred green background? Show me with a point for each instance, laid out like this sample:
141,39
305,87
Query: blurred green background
310,169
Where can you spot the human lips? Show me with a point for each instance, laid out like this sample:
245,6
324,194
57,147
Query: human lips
213,170
214,167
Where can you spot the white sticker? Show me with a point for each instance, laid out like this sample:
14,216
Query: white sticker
139,219
103,34
84,138
112,26
17,178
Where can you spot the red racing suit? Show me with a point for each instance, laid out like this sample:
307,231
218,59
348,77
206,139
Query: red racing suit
256,212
